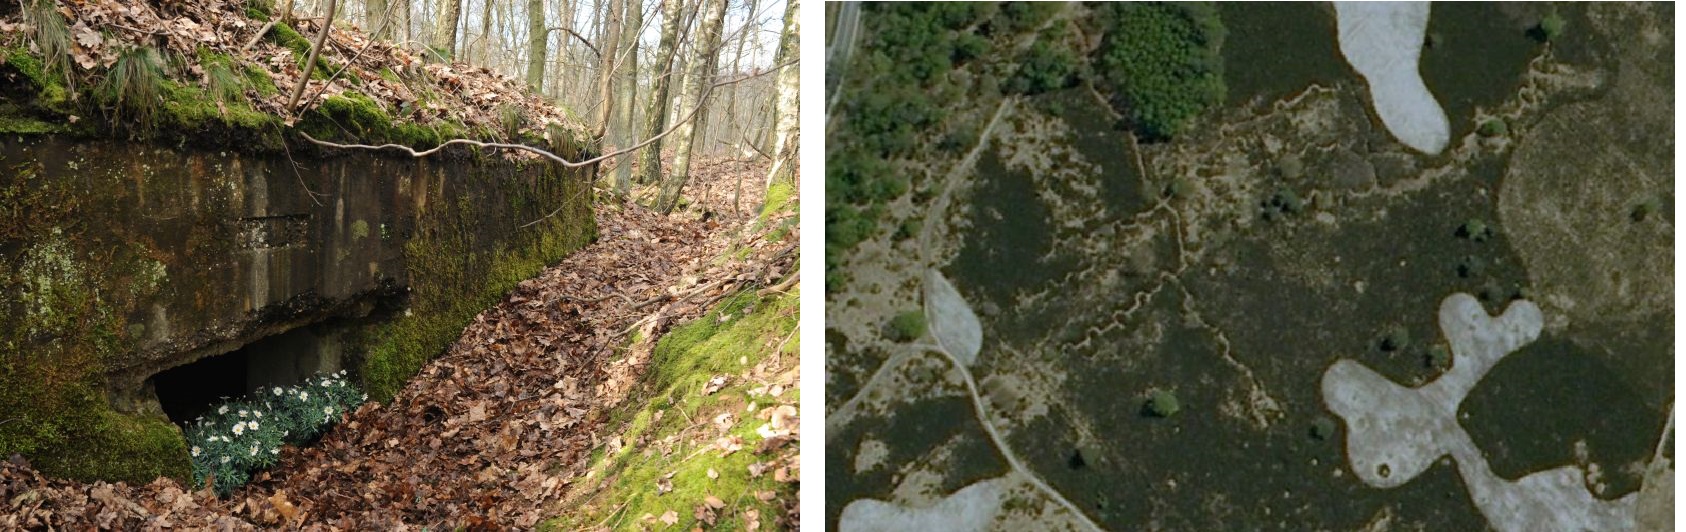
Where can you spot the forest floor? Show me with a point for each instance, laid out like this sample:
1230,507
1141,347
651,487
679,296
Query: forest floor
525,417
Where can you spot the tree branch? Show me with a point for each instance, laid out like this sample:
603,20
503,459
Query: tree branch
310,64
546,154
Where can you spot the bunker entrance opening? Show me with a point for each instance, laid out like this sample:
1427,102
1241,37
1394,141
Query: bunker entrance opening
187,391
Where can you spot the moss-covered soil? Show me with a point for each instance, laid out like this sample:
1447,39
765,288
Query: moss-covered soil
700,426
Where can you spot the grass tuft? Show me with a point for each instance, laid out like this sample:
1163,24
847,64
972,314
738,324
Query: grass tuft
134,85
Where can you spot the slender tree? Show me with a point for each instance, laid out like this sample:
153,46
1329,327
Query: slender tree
787,129
655,112
538,44
610,53
625,102
445,31
732,98
701,75
376,10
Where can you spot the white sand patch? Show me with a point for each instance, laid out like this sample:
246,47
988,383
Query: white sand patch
1383,41
1395,433
951,319
974,507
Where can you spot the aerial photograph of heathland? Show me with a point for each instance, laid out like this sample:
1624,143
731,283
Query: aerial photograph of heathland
1249,266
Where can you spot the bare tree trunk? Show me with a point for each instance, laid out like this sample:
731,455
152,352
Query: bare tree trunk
287,11
485,33
403,15
732,100
445,32
377,19
787,130
628,93
564,82
538,45
701,75
610,50
655,112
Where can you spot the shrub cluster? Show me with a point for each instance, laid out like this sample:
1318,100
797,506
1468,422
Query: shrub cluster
894,90
245,435
1163,62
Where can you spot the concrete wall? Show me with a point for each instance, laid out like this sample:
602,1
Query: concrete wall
119,260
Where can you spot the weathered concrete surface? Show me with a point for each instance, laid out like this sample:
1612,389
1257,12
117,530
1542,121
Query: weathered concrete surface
1383,41
1395,433
119,260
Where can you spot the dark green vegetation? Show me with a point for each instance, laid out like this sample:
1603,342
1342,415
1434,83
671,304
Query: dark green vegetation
1162,403
1494,127
739,334
907,326
1162,61
1541,402
1479,61
1278,49
245,435
896,87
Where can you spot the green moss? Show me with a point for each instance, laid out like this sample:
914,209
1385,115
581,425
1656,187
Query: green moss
53,94
735,336
359,230
286,36
462,280
18,124
51,407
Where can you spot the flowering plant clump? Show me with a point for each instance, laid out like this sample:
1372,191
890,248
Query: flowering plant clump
244,435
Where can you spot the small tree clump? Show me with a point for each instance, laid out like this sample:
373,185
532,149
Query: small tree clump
1162,403
1549,28
1178,188
1645,209
1471,266
1475,230
1395,338
907,326
1290,167
1494,127
1323,428
1438,357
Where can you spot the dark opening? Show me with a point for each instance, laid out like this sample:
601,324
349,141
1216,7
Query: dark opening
185,392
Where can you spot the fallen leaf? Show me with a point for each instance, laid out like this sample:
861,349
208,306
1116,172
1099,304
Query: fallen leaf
670,517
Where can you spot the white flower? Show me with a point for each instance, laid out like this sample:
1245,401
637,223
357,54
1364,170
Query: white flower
222,409
225,459
239,428
277,391
242,413
365,397
253,425
328,410
258,414
304,396
196,451
284,433
276,450
254,450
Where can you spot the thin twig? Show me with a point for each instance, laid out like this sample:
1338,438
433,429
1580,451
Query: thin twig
261,31
310,64
548,155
